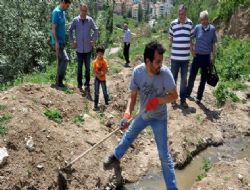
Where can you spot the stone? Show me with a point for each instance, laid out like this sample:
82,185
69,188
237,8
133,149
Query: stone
40,166
240,177
86,116
3,156
30,143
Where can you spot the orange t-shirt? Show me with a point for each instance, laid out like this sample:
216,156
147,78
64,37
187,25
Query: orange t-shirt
100,65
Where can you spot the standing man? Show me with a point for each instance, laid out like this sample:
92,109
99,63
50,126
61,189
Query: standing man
205,40
156,87
181,31
126,41
58,40
83,34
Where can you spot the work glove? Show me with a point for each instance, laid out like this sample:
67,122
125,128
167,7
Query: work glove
124,123
152,104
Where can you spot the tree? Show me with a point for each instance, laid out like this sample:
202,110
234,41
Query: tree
140,13
147,12
109,6
24,36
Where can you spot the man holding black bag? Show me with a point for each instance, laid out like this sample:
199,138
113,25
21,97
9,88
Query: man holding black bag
204,54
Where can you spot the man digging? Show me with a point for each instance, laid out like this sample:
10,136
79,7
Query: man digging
156,87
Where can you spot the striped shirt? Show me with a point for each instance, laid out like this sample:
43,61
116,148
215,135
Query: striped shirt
181,35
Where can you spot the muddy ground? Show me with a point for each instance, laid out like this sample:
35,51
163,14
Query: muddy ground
190,131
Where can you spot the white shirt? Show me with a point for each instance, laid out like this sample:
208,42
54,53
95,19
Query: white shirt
127,36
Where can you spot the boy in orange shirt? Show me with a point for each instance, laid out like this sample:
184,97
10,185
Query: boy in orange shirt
100,69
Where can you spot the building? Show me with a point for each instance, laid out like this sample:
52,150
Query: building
135,9
99,4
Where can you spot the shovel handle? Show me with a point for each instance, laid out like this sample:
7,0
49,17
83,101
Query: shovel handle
91,148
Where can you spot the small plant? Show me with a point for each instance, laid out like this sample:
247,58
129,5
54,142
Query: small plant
200,119
2,107
204,170
67,90
3,121
78,120
222,93
54,115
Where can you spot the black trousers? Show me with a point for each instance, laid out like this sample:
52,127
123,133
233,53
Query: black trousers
126,52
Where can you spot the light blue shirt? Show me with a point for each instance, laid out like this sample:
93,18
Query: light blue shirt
204,39
83,32
58,18
127,36
150,87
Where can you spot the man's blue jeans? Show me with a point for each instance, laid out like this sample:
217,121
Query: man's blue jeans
159,128
183,66
203,62
83,58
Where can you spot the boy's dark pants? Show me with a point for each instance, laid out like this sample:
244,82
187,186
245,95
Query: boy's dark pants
104,90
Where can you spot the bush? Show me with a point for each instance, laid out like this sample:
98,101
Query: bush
222,93
233,65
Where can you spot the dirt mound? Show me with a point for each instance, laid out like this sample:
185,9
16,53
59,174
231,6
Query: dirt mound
79,127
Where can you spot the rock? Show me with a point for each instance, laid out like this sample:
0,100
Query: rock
240,177
30,143
86,116
40,166
3,156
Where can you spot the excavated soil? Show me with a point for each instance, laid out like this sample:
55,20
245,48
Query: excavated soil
190,131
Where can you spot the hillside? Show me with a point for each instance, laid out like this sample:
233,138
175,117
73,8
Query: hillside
42,128
55,143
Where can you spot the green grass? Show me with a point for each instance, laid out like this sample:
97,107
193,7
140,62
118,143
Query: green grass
54,115
204,169
233,66
114,69
3,121
47,76
78,120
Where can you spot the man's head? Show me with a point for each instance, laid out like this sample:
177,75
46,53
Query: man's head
65,4
153,57
100,50
182,13
83,11
204,18
125,26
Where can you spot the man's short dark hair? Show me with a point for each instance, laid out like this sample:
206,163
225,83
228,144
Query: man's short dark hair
100,48
66,1
149,52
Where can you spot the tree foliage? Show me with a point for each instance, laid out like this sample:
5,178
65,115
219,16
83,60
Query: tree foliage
228,7
24,35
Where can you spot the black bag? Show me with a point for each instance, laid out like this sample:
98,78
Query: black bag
212,78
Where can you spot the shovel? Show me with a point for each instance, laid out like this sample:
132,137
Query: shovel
62,180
